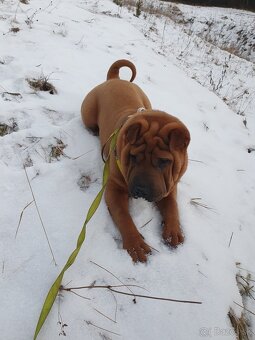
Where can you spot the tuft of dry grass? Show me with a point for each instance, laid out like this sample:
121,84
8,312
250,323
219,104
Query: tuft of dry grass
15,29
56,151
245,285
149,8
6,129
240,325
41,84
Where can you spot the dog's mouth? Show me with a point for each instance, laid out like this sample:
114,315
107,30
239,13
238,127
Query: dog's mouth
149,199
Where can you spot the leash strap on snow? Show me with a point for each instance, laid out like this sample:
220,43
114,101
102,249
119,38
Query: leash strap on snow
53,292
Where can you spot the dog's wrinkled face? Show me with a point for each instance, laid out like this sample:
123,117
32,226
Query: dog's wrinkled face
153,155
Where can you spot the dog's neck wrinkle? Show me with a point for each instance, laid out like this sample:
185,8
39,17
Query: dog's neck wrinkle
124,116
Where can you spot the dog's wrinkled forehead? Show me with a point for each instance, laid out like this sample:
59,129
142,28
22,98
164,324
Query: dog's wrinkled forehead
146,134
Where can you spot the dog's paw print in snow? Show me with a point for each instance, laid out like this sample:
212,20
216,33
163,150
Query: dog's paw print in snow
85,181
60,29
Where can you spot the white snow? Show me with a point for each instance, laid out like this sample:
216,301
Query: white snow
74,43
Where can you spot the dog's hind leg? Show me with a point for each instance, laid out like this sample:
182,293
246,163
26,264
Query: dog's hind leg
89,112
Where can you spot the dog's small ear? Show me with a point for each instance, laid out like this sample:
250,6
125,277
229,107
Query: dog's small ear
132,133
179,139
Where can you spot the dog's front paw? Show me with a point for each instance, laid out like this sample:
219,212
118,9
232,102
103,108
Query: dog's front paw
173,236
137,249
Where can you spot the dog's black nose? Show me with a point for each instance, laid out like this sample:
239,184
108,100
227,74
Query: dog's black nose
143,190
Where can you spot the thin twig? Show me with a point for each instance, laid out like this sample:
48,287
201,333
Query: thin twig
85,153
13,94
111,288
81,296
155,297
112,275
98,286
194,201
145,224
92,324
230,239
244,308
38,212
20,218
107,317
195,160
116,306
247,270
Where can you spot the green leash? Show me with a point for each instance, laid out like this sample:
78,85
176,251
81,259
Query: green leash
53,292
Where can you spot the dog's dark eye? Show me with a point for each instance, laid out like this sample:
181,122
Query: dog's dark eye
163,162
132,158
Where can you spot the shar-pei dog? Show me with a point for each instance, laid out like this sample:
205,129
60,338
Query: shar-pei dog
149,158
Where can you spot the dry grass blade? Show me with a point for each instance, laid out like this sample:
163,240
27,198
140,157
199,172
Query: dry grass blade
15,94
247,310
103,329
127,286
107,317
93,286
112,289
145,224
230,239
81,296
246,288
85,153
155,297
39,215
239,324
197,203
197,161
21,215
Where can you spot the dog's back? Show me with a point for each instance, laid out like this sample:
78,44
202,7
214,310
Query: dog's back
111,100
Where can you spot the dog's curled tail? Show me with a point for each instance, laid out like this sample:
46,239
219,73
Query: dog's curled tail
113,72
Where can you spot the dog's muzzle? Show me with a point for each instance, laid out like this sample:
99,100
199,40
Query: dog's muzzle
141,189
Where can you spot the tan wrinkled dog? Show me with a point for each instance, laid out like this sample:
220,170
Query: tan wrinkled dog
151,149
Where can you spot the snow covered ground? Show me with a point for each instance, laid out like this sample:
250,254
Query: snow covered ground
73,43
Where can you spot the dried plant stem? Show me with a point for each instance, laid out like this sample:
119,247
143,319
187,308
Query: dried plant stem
81,296
107,317
116,306
230,239
111,288
196,202
247,310
145,224
98,286
155,297
98,265
92,324
21,215
38,212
